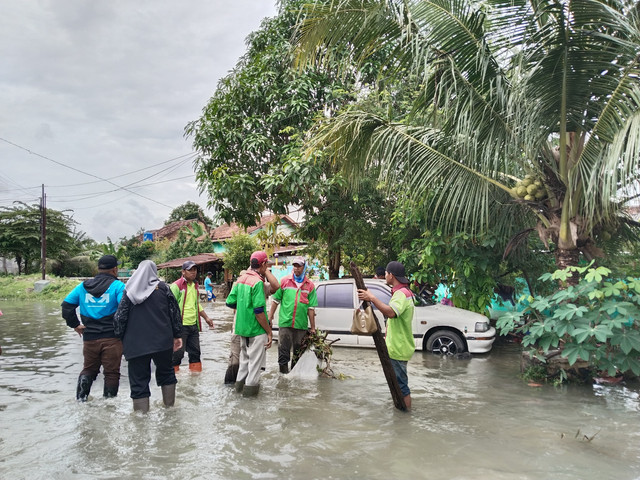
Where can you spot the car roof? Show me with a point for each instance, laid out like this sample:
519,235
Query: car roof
370,281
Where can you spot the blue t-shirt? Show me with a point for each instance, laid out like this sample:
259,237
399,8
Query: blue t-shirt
207,284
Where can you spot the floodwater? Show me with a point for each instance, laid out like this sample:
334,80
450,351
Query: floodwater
471,419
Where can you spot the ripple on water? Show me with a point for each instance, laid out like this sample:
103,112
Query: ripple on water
473,416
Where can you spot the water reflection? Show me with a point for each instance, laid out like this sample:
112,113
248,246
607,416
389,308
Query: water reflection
471,419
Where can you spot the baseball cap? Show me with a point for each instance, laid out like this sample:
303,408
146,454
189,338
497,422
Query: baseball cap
397,270
258,257
107,262
188,265
299,261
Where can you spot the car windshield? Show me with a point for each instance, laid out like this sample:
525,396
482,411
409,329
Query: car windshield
423,301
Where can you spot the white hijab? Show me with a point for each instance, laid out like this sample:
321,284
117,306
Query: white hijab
143,282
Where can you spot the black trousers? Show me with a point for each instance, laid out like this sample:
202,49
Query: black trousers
289,338
140,372
190,343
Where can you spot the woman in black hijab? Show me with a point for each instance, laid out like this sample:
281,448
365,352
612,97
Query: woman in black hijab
149,323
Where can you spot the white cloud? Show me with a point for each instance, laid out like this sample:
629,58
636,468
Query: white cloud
107,88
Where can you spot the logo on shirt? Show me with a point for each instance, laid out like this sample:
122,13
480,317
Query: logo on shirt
90,300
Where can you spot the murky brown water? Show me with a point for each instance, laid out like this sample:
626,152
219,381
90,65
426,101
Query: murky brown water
472,419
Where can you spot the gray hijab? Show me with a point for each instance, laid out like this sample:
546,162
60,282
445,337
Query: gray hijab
143,282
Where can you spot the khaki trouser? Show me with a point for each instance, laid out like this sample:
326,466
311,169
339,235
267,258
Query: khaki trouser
252,356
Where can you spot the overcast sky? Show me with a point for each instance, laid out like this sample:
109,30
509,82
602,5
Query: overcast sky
92,91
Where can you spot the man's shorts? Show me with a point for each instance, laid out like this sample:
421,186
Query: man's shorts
400,369
210,295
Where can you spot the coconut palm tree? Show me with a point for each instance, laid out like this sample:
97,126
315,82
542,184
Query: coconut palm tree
525,113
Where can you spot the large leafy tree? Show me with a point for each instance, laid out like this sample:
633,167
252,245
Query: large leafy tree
20,235
188,211
526,112
250,135
238,252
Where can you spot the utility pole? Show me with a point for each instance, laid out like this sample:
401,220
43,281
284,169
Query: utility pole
43,232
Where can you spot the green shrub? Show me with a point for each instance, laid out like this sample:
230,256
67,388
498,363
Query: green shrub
596,321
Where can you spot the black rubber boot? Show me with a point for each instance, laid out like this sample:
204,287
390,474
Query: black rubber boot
239,385
284,368
110,391
250,390
168,395
141,405
231,374
84,387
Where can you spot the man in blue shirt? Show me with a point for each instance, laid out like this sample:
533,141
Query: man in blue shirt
97,299
208,286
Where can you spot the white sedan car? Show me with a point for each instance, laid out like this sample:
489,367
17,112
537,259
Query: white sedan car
436,328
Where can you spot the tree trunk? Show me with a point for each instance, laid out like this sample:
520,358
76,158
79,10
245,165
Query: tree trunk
334,262
568,258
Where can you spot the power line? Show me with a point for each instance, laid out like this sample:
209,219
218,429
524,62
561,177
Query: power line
83,172
84,196
132,172
37,187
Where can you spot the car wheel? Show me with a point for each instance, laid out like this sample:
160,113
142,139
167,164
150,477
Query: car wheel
445,342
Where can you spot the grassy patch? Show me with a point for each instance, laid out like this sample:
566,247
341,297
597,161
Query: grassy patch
20,287
535,373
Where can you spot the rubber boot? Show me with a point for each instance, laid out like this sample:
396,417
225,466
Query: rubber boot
168,394
84,387
110,391
239,386
250,390
231,374
141,405
284,368
195,367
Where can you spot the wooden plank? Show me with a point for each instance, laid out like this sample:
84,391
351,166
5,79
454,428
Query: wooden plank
381,347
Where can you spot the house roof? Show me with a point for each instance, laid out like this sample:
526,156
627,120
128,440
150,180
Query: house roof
173,228
289,249
226,231
200,259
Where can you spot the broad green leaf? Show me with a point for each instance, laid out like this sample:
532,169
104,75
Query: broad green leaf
597,274
572,352
581,334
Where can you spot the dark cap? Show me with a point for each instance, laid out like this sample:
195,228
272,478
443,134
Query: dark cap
107,262
397,270
188,265
258,258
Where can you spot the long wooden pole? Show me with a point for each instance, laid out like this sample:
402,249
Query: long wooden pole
43,233
381,347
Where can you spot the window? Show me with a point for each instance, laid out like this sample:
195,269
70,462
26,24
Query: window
338,295
320,294
380,292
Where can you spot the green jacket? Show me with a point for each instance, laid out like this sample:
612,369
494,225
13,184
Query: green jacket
248,299
295,302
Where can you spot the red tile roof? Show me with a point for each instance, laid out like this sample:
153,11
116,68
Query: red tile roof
200,259
171,230
226,230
